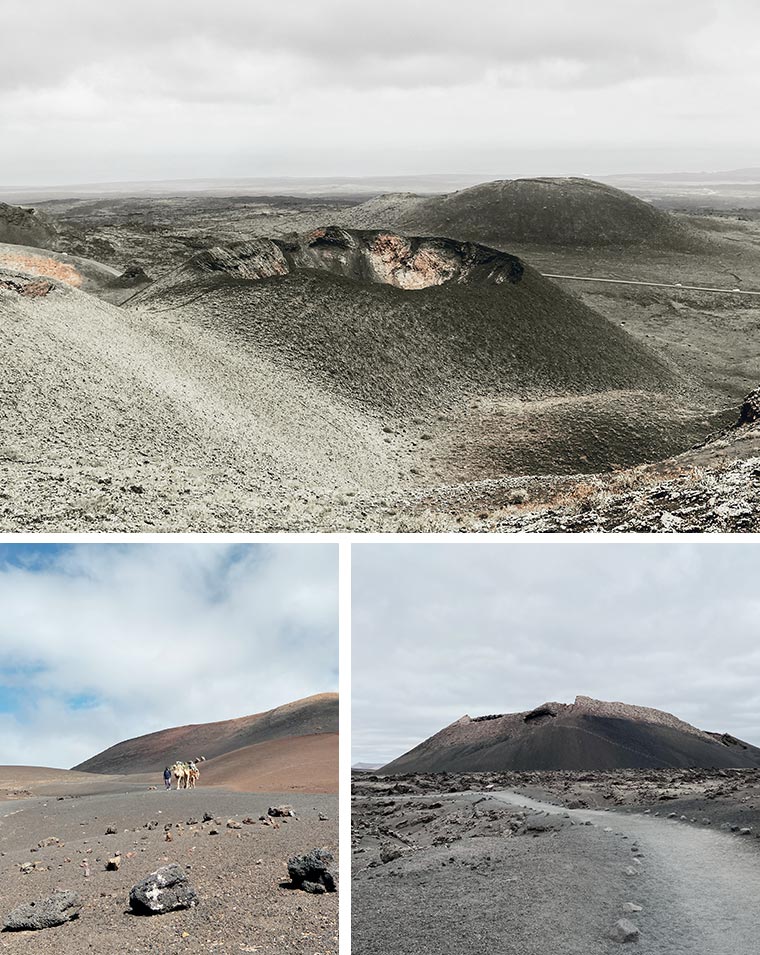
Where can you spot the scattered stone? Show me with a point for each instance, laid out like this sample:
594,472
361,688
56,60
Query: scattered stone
113,863
59,908
312,871
234,824
111,831
164,890
625,931
632,907
280,811
389,853
207,817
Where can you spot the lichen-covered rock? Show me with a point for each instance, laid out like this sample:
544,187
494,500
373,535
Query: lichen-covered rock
164,890
59,908
312,871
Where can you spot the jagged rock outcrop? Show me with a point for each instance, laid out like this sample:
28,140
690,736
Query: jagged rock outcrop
749,412
20,226
383,258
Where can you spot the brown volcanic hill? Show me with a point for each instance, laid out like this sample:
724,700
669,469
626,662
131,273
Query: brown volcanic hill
299,763
20,226
542,211
144,754
588,734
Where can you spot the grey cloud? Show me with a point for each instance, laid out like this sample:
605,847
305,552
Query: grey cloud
443,630
394,43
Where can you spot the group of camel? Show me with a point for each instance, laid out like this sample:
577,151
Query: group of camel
187,774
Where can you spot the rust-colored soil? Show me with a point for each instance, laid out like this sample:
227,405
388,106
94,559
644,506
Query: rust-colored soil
299,763
41,265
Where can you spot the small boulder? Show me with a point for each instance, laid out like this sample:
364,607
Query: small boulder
312,871
59,908
390,853
625,931
280,811
164,890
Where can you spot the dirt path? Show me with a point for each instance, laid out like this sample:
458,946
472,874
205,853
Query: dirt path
698,887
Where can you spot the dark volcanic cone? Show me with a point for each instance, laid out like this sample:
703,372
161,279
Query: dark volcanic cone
588,735
552,212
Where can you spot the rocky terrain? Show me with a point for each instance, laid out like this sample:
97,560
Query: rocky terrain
232,852
577,862
350,363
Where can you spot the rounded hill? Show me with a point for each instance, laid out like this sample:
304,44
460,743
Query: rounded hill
547,212
311,716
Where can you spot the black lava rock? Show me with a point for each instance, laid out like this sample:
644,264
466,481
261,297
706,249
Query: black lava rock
164,890
59,908
312,871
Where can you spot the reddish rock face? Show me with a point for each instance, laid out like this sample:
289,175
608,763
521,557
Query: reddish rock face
384,258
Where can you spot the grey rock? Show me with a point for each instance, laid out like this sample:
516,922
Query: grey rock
59,908
312,869
625,931
164,890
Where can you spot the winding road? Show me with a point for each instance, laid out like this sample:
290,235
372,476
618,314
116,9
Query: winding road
699,888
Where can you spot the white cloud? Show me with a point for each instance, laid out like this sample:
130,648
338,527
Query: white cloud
149,636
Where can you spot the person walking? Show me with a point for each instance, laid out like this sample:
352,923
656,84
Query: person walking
167,778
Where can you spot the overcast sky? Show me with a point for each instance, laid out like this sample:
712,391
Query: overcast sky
94,91
100,643
442,630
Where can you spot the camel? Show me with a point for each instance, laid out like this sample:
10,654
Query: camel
186,774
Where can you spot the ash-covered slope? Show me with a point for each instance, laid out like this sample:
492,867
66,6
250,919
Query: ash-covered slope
585,735
20,226
552,212
304,763
406,323
308,717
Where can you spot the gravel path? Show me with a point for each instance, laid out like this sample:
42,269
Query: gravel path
698,887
